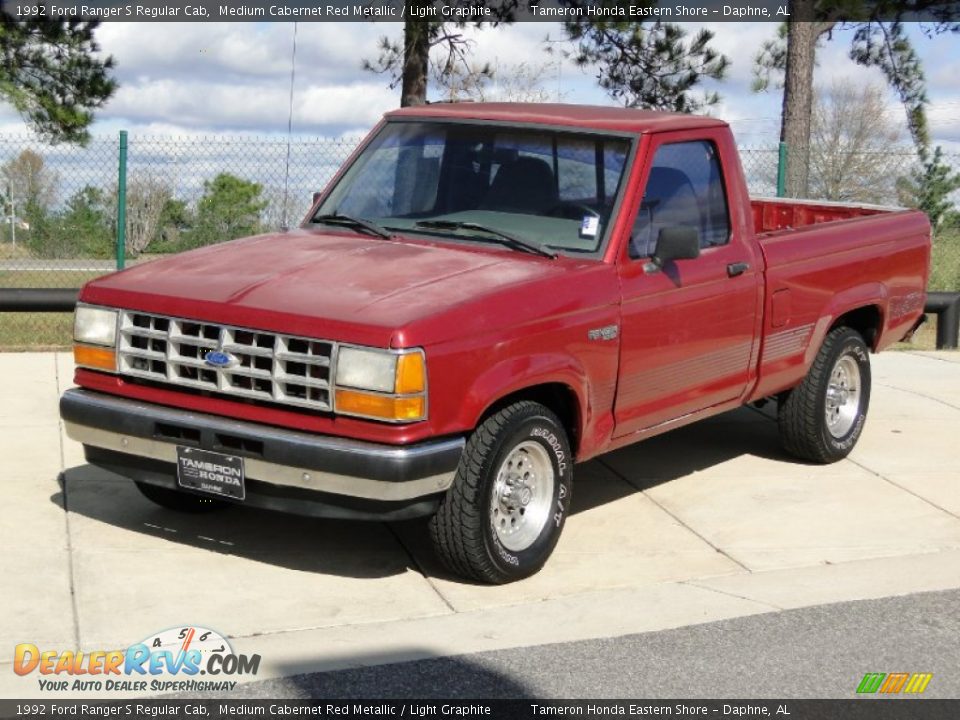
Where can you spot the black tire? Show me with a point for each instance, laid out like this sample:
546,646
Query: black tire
180,501
463,532
805,430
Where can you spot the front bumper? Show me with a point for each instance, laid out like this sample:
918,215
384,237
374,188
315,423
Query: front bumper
285,470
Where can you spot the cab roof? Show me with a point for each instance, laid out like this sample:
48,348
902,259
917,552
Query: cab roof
591,117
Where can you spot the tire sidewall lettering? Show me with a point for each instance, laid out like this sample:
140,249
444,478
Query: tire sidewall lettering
557,448
859,353
553,443
851,438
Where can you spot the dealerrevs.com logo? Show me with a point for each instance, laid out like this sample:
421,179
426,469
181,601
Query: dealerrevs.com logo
183,659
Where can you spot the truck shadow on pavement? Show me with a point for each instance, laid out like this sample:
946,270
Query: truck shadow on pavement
408,674
108,512
373,550
729,438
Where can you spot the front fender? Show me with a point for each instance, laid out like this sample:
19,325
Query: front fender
513,375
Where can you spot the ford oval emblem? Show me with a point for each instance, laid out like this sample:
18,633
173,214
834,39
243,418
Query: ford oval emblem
219,359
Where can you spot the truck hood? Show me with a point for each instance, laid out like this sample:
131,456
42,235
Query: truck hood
332,284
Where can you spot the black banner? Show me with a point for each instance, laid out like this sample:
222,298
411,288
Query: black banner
461,10
854,709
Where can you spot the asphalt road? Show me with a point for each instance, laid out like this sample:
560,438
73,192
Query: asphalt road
817,652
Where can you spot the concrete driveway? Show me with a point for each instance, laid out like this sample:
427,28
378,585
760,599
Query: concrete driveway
705,523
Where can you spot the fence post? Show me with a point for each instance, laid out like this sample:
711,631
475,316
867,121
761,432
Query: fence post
122,203
782,171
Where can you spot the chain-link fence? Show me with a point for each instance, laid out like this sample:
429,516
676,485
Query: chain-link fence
760,165
59,204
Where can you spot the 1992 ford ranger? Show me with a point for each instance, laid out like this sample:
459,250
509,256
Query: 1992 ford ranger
485,295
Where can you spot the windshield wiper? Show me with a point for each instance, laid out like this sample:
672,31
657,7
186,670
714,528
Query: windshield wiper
498,236
353,222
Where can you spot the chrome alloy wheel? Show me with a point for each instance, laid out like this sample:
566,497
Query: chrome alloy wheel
843,396
522,496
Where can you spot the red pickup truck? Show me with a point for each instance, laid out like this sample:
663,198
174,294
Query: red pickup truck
485,295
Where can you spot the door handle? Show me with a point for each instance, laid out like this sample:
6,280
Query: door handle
737,268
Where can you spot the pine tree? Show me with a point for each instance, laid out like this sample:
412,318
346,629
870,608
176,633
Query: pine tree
649,65
229,208
929,187
52,74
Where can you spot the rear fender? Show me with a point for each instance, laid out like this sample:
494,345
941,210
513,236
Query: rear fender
862,296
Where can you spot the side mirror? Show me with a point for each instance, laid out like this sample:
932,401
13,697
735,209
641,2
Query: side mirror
316,196
680,242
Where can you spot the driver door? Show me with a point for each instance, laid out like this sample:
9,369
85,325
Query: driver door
688,329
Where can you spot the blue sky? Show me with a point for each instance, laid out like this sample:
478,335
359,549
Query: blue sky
221,78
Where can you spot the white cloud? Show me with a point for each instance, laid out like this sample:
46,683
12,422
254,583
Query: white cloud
230,77
944,120
240,51
250,106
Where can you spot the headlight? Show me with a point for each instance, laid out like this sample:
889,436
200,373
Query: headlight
367,369
94,325
95,338
381,384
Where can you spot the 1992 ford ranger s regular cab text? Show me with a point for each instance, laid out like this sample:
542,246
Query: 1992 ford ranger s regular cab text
484,296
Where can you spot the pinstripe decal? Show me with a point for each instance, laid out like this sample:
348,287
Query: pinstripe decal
688,373
786,343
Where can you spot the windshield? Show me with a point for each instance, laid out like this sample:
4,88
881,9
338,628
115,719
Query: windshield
548,188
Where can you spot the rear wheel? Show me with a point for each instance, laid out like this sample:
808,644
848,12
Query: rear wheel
822,418
505,511
179,501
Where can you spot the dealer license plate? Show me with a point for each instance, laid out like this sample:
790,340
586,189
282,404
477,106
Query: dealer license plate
210,472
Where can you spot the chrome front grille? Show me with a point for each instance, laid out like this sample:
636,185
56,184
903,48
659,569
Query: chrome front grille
264,366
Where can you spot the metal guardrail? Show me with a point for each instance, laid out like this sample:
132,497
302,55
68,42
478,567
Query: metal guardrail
945,305
38,299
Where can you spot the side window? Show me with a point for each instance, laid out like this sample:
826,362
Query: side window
685,188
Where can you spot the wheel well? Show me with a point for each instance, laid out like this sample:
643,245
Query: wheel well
558,397
865,320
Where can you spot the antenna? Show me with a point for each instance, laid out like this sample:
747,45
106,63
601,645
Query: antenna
286,171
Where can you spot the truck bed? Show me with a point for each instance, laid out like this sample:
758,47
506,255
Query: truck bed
822,259
774,215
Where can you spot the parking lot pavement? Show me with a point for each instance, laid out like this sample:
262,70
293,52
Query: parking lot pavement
707,523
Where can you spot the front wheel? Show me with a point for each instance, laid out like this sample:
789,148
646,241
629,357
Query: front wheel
504,513
822,418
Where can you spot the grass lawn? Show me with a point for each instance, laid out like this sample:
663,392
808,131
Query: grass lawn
924,339
945,261
35,331
9,252
46,278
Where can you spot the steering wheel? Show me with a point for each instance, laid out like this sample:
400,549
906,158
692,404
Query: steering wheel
572,211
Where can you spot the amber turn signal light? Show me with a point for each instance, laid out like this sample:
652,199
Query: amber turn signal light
411,374
98,358
383,407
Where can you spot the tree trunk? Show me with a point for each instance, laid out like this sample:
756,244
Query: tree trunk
416,59
798,95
